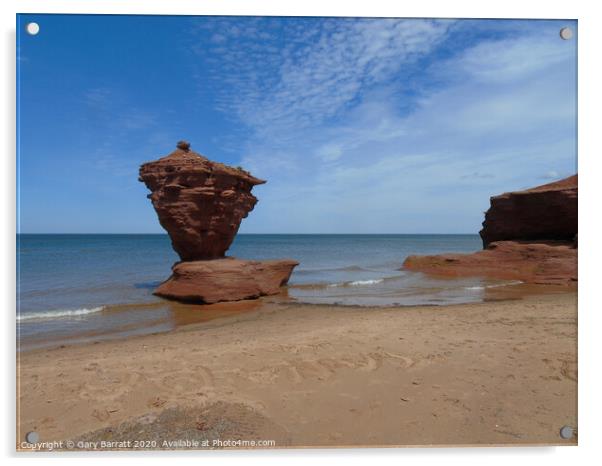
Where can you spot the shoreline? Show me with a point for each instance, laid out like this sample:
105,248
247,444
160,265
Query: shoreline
388,376
184,315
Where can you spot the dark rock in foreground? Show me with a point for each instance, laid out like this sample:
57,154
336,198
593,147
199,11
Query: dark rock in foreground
210,426
227,279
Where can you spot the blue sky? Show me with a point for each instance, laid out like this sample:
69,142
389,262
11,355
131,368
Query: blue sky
359,125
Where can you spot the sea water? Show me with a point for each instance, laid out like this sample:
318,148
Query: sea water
101,285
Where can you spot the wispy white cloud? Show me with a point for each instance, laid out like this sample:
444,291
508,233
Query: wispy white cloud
284,76
508,59
360,126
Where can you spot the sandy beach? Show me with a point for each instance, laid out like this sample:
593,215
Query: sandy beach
499,372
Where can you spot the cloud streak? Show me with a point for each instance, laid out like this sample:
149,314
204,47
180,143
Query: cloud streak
283,75
385,126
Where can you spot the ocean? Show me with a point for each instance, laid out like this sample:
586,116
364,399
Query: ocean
74,288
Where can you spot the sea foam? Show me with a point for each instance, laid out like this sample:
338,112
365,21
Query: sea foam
357,283
366,282
58,314
498,285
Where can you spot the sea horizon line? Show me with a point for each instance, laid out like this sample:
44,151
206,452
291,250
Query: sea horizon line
255,234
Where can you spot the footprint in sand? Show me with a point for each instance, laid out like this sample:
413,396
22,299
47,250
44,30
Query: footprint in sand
432,358
183,381
313,370
568,369
296,371
406,361
291,371
109,387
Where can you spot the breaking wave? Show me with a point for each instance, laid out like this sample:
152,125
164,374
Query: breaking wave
51,315
357,283
498,285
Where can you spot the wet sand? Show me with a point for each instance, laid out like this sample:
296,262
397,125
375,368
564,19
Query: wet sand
499,372
175,315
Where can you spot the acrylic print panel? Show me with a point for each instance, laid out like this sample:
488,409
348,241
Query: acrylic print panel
270,232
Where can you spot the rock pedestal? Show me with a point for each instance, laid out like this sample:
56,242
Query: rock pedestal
225,280
201,204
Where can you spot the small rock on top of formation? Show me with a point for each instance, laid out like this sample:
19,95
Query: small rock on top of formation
183,145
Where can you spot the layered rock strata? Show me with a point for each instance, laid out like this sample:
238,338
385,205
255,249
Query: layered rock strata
547,212
528,235
538,263
226,279
201,204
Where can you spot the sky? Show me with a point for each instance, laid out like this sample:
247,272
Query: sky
358,125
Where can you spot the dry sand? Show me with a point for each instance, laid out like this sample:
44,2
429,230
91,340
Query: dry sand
303,375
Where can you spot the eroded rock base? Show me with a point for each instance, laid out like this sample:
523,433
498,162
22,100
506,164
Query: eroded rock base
228,279
546,263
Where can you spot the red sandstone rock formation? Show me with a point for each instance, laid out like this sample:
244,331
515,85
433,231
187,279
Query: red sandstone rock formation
538,263
547,212
527,235
225,280
199,202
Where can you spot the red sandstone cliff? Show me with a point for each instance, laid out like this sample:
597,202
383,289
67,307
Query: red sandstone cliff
528,235
547,212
